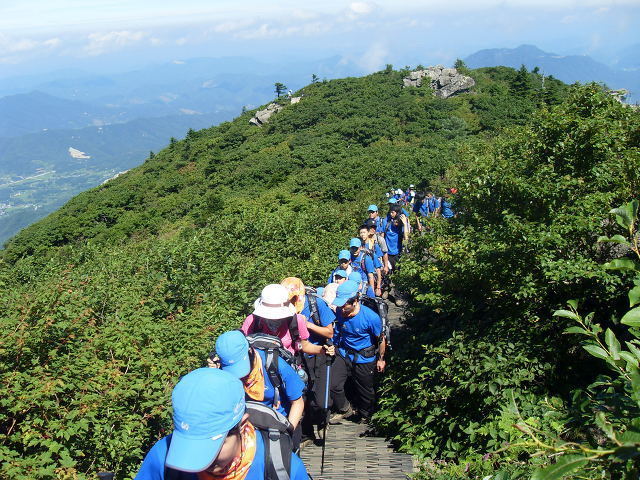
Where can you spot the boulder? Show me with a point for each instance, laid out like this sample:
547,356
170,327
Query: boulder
262,116
444,81
295,100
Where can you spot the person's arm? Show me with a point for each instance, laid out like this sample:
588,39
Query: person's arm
381,363
378,289
405,227
372,282
295,412
326,332
311,349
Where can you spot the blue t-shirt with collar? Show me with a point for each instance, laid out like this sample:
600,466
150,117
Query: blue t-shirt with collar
326,317
421,208
363,263
152,467
447,211
434,204
393,235
358,332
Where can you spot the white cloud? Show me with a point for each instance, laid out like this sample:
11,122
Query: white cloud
11,45
357,10
374,58
100,43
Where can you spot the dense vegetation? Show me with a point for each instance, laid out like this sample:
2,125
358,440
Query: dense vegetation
110,299
486,364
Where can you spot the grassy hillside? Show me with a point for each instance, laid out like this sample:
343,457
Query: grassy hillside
108,300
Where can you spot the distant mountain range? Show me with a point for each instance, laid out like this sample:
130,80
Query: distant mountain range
117,119
568,68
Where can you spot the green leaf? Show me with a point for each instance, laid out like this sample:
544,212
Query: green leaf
596,351
612,343
626,214
629,358
634,296
573,303
579,330
615,239
632,318
566,314
564,466
621,264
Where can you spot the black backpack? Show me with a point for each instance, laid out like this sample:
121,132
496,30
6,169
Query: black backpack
378,305
276,433
273,350
312,298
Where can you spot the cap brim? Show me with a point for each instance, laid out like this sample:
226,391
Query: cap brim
193,455
339,302
272,313
240,369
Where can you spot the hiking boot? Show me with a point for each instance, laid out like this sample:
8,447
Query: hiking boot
336,417
400,302
306,441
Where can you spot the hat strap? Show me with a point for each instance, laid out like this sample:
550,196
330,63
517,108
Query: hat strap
275,305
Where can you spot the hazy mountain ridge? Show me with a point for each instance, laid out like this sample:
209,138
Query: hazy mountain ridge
568,68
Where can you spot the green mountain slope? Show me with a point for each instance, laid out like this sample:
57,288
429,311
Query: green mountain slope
108,300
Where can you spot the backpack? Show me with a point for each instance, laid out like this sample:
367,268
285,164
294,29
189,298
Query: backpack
378,305
275,430
312,298
273,349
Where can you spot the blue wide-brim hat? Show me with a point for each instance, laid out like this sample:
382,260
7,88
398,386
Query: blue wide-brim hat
207,403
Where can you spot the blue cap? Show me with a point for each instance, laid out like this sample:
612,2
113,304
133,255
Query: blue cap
372,208
340,273
344,255
392,200
355,277
202,416
319,291
233,349
345,291
355,242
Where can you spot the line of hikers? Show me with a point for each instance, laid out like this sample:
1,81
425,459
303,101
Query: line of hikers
270,385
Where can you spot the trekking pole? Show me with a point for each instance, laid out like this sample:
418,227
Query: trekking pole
326,409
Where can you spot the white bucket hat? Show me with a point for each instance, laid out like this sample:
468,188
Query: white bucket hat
273,303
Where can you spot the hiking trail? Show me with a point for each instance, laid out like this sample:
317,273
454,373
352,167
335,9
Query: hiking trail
352,453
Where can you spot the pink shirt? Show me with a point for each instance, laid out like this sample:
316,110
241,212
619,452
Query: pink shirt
282,332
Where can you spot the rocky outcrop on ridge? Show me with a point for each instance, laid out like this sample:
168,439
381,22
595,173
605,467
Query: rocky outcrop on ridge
444,81
262,116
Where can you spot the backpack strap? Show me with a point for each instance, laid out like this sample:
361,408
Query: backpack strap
313,308
275,430
272,356
293,328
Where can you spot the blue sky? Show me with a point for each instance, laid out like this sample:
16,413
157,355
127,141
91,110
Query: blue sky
40,35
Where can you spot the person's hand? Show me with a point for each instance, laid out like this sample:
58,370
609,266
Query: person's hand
380,365
378,292
213,362
329,350
386,269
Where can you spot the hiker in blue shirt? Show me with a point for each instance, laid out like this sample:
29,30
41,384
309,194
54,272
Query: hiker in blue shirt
344,263
363,263
395,232
421,209
212,434
320,320
361,348
374,215
239,359
434,204
393,201
445,205
371,248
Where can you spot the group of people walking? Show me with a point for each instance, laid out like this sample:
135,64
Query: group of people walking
270,385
